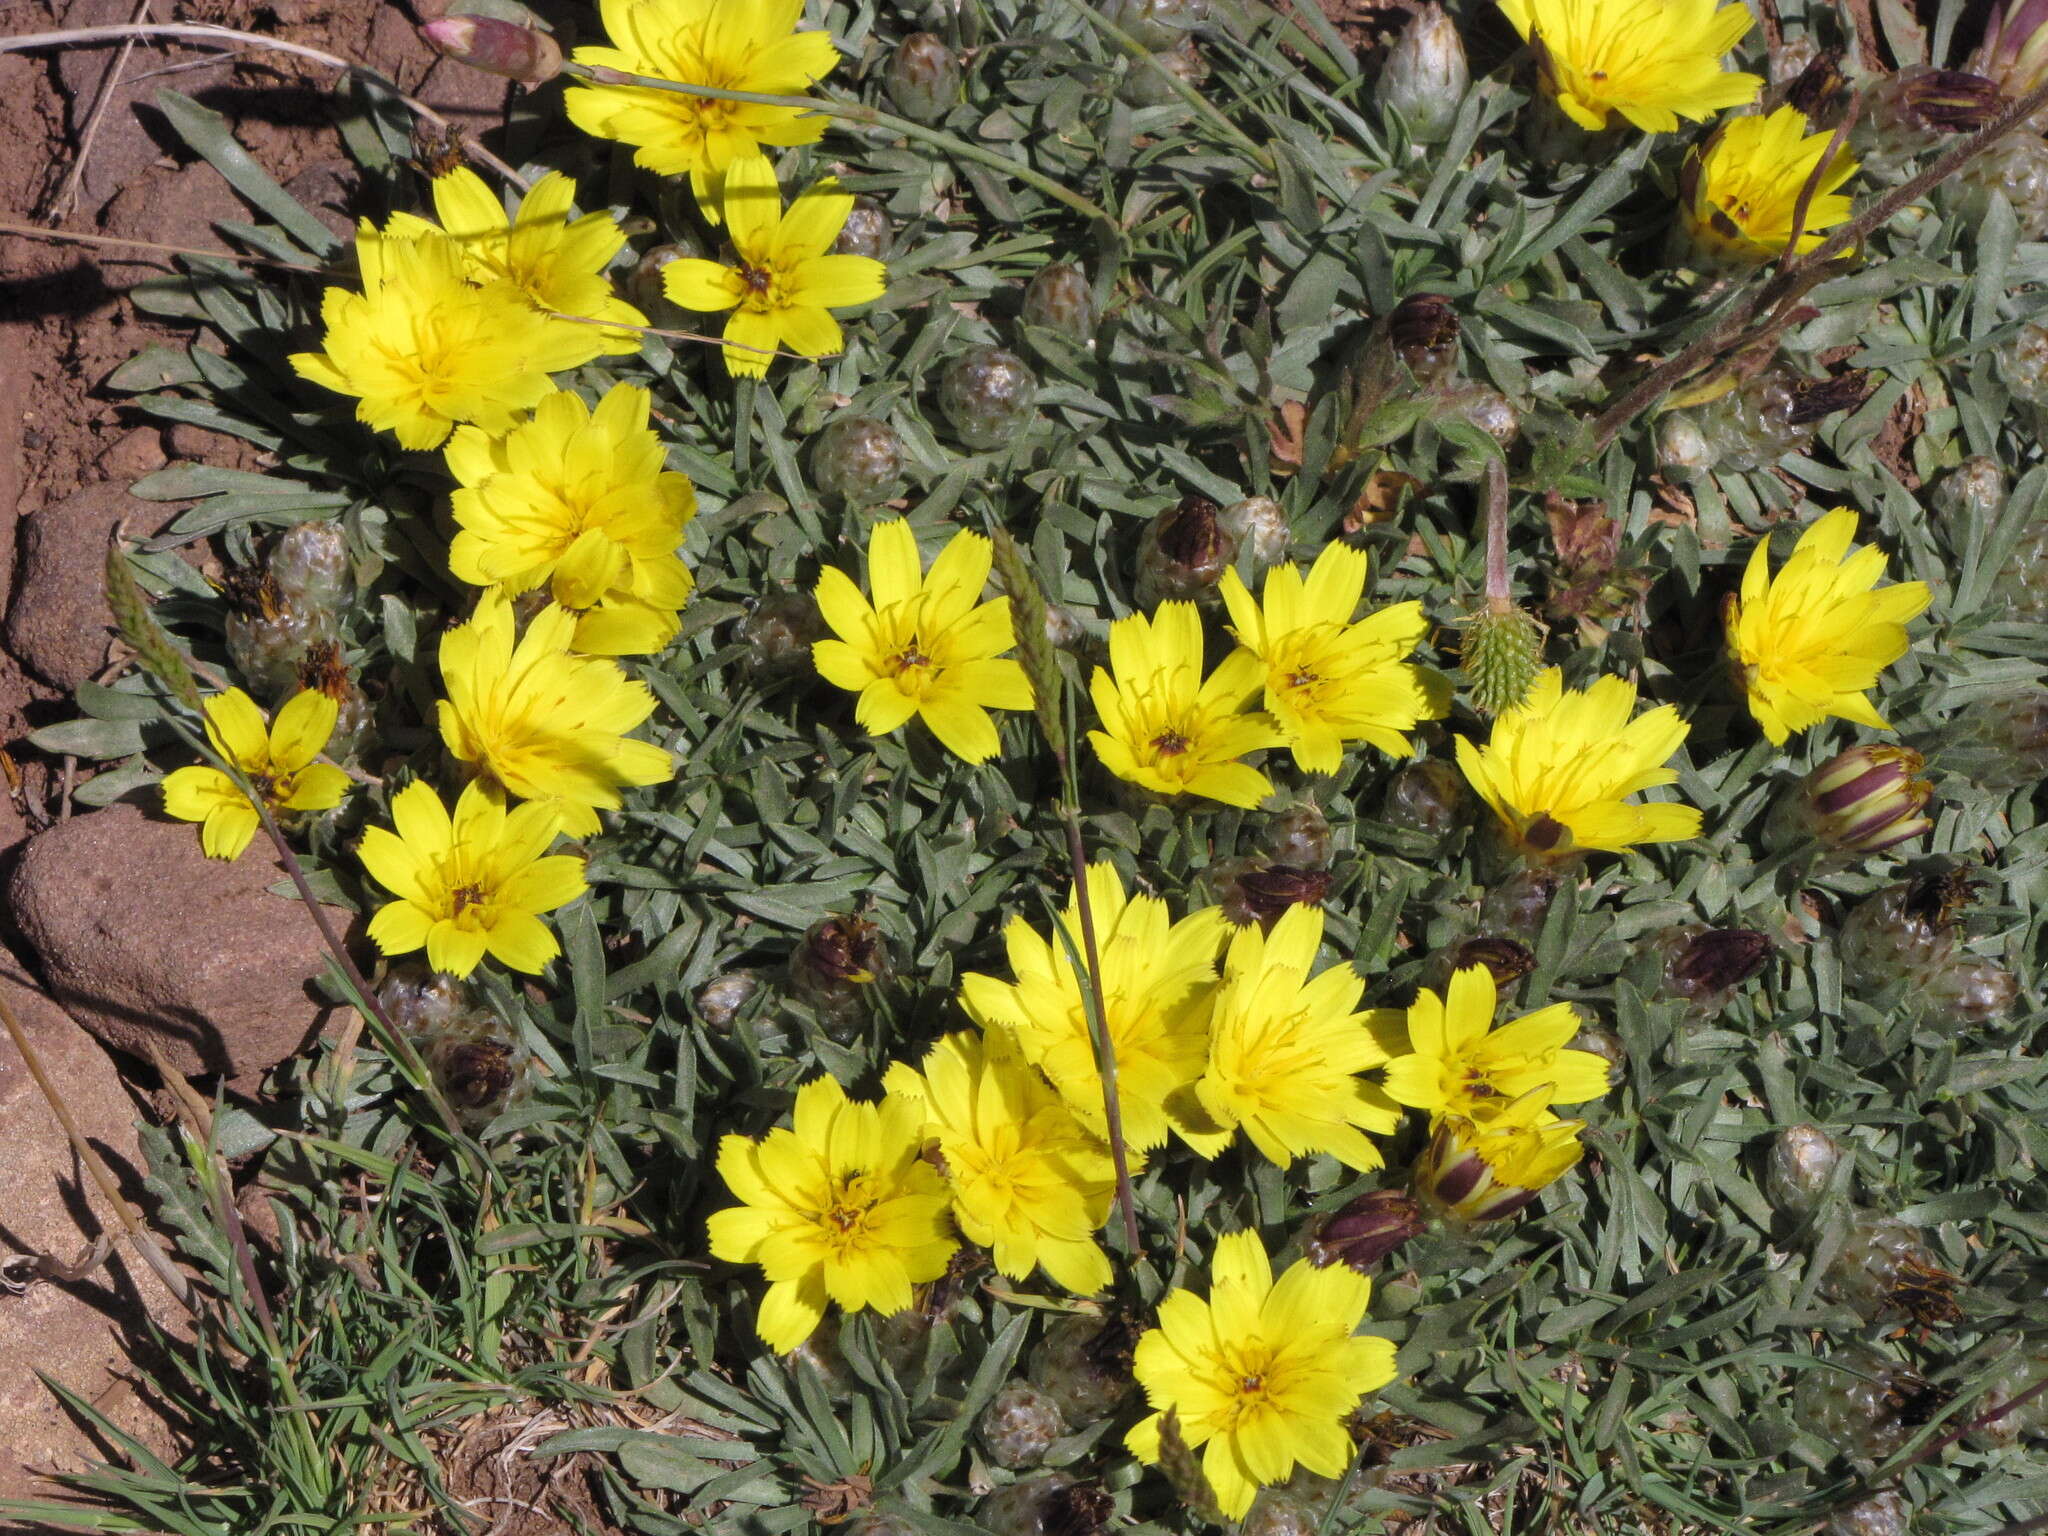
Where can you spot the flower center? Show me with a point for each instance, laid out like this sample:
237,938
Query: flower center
845,1220
1170,743
467,896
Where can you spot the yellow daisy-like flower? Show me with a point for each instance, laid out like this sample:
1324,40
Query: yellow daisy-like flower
1167,728
1490,1166
1262,1373
1741,192
1560,768
557,262
841,1207
1457,1063
1156,977
422,348
1329,681
277,759
472,884
1285,1048
788,279
1811,641
922,643
578,501
730,45
1029,1184
1653,61
540,722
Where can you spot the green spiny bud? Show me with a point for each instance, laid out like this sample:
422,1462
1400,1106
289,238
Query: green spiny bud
1298,836
1503,652
720,1000
1084,1365
1425,75
138,626
1883,1269
1970,991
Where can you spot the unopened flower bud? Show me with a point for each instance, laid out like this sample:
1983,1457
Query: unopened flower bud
1800,1169
1268,893
923,78
2015,168
1706,964
1184,552
720,999
1149,81
987,394
865,232
423,1001
1058,299
1425,75
1259,524
1684,451
1880,1514
1974,488
1605,1044
1868,799
1428,797
1904,932
2015,47
1472,1172
1423,330
1971,991
2001,741
835,968
1819,90
525,54
1501,653
1489,410
1944,100
1506,960
857,460
1520,903
1365,1231
322,670
778,633
1300,836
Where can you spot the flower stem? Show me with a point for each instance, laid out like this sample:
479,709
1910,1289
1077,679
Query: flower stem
1142,57
1499,595
854,112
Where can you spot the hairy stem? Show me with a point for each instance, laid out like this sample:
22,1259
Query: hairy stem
1499,595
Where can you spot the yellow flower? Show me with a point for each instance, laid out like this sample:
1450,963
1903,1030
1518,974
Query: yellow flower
556,262
840,1208
730,45
1165,727
1264,1374
1330,681
788,280
1811,642
1156,977
578,501
1457,1063
422,348
923,646
276,758
1560,768
1490,1166
1742,191
1284,1049
471,885
1653,61
541,722
1028,1182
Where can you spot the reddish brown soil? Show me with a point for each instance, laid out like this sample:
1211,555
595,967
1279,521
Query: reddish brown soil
64,320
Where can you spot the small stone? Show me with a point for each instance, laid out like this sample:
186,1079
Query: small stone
58,624
147,942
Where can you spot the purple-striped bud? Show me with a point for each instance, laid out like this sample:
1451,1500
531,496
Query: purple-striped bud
1365,1231
496,47
1868,799
1507,960
1474,1171
2015,48
1702,963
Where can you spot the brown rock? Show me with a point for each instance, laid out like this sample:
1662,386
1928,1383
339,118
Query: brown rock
171,205
57,622
146,941
87,1333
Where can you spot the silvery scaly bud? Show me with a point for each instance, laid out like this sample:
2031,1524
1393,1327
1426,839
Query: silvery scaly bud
1148,82
1705,965
1058,299
1299,836
1974,487
1268,893
1158,23
1425,75
1428,797
1868,799
1882,1514
865,232
1684,451
778,633
1971,991
1799,1169
1259,524
923,78
1184,552
1365,1231
525,54
720,999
